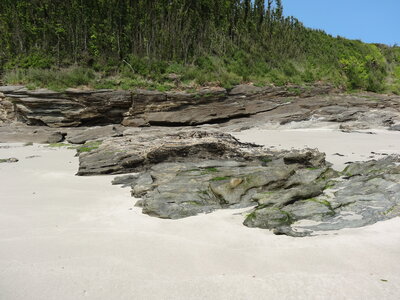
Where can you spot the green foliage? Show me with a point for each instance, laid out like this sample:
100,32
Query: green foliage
50,78
89,146
355,71
365,72
209,171
33,60
220,178
137,44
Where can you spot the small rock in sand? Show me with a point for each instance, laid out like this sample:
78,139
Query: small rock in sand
9,160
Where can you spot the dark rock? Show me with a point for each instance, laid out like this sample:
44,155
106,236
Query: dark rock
179,190
395,127
43,93
193,171
9,160
8,89
305,158
69,109
245,89
7,111
338,154
370,194
17,133
94,133
125,180
134,153
56,137
134,122
209,105
296,193
74,91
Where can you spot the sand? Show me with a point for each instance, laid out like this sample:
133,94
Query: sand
69,237
340,147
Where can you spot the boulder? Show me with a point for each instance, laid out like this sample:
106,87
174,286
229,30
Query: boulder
56,137
9,160
134,122
93,133
395,127
132,153
369,193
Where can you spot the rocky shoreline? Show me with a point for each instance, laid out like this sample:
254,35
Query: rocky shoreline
190,166
74,107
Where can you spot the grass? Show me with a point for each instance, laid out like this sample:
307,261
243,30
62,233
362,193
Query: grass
251,216
359,67
89,146
54,79
329,185
265,159
323,202
220,178
391,210
312,168
209,171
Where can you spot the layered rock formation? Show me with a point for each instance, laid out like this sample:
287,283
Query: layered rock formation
351,112
189,170
141,107
177,190
369,192
138,108
68,109
139,150
294,193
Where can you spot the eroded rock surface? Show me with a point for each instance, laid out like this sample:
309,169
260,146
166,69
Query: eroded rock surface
294,192
186,171
181,189
73,107
141,149
348,112
369,192
68,109
140,108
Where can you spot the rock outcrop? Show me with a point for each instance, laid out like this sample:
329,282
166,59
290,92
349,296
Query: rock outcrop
187,171
73,107
369,192
178,190
349,112
294,192
68,109
140,108
139,150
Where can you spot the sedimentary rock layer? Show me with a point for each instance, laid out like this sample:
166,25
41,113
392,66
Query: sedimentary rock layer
74,107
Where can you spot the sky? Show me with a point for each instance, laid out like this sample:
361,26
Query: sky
372,21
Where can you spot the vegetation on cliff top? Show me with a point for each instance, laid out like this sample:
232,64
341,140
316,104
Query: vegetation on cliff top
167,44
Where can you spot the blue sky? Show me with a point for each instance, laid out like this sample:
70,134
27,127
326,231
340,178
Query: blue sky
372,21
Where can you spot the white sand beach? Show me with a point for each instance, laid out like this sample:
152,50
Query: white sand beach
339,147
69,237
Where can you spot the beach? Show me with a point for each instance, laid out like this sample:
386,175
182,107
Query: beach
68,237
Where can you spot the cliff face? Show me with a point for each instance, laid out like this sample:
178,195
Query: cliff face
69,109
74,108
